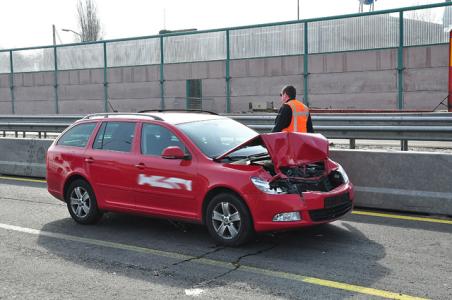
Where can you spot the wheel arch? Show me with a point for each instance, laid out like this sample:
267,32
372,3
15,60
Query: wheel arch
70,180
219,190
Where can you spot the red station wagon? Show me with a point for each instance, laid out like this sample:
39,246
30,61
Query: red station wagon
196,167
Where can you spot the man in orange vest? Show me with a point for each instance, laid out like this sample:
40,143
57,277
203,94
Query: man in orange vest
293,116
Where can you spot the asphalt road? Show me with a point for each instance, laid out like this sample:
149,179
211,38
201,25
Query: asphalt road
44,254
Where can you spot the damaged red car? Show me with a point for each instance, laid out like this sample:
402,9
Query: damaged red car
196,167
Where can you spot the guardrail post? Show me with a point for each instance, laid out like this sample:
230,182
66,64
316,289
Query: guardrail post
352,143
228,78
162,75
105,78
305,65
400,66
11,81
404,145
55,61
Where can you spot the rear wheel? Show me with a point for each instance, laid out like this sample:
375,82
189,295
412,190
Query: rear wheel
228,220
81,202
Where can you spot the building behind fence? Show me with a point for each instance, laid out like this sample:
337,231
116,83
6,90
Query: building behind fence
394,60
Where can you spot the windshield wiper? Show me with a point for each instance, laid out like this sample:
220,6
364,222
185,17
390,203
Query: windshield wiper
258,155
232,158
247,157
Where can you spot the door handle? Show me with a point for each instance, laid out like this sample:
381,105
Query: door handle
140,166
89,160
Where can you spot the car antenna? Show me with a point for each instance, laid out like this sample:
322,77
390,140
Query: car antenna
111,106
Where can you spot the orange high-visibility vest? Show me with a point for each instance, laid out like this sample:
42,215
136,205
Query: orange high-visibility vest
300,114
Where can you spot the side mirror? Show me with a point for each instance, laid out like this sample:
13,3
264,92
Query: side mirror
174,152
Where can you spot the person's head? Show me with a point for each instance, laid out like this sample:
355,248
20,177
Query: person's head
288,92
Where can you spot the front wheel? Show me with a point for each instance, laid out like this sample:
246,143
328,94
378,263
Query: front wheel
228,220
81,202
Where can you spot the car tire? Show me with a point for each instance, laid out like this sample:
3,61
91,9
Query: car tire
81,202
228,220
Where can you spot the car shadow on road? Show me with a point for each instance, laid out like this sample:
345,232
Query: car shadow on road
185,256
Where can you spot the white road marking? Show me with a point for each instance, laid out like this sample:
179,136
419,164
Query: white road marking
194,292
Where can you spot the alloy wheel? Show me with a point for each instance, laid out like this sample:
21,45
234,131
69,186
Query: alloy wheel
226,220
80,202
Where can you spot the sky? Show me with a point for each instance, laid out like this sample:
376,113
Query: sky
28,23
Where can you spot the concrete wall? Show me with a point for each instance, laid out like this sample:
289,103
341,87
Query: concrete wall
348,80
426,76
213,87
405,181
355,80
5,94
80,91
134,88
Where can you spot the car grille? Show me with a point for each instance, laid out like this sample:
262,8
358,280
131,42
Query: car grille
334,208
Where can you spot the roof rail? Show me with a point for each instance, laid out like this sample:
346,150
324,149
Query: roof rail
107,115
179,110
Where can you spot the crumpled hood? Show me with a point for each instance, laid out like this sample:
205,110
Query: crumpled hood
294,149
289,148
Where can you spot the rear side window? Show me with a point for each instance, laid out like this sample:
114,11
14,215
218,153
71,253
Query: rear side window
115,136
77,136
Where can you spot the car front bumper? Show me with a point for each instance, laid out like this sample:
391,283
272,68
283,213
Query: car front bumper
313,207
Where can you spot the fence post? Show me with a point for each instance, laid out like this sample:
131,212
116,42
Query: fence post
55,58
305,65
11,81
228,77
400,65
162,75
105,78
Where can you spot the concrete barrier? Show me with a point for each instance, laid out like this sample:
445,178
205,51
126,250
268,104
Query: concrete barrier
405,181
23,157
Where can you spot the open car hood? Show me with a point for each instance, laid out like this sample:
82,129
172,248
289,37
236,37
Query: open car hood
288,148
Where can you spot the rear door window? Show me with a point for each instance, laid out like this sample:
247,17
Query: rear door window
115,136
77,136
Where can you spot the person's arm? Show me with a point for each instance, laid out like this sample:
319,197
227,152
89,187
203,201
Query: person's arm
310,128
283,119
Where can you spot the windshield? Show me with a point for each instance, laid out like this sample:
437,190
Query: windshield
215,137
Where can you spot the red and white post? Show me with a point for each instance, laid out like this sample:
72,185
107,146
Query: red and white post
449,99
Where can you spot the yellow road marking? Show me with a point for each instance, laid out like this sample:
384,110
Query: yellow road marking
217,263
22,179
393,216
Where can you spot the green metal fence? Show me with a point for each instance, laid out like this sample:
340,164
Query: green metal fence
397,28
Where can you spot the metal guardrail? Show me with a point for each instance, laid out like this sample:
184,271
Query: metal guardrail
373,126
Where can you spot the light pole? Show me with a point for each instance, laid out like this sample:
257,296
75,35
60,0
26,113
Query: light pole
74,32
298,9
53,34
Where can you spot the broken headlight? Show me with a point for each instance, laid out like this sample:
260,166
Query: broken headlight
342,172
265,187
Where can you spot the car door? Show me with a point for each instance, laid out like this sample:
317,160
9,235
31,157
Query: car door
164,186
110,163
66,157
